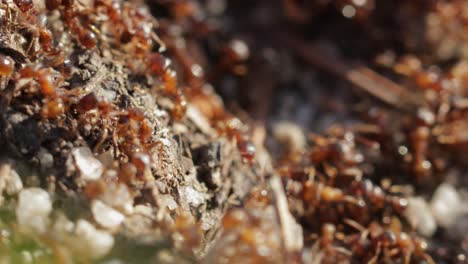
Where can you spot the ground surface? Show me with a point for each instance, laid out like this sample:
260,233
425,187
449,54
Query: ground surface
233,131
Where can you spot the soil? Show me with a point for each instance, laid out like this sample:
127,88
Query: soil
229,131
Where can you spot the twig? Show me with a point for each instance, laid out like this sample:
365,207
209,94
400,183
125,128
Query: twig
358,75
291,231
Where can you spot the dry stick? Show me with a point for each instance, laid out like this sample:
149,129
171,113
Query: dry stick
290,230
358,75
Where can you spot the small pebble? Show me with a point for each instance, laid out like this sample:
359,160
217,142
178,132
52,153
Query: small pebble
168,201
96,243
13,183
118,196
419,215
10,181
194,197
106,216
290,135
45,158
90,168
446,205
34,207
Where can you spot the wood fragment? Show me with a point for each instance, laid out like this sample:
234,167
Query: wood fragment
291,231
358,75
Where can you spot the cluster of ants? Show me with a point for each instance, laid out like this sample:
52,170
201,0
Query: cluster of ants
333,189
124,27
35,78
345,213
180,39
44,84
348,189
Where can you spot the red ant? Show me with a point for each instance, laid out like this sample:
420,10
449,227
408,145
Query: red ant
387,244
7,65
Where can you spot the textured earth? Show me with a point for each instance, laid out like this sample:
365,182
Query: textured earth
233,131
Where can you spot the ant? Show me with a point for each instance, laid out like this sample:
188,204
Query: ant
386,243
377,197
7,66
328,237
159,65
45,77
53,103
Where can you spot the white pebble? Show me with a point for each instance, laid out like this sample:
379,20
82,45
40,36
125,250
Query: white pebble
168,201
446,205
105,215
13,183
119,197
10,181
144,210
418,214
90,168
289,134
193,197
62,225
95,243
34,207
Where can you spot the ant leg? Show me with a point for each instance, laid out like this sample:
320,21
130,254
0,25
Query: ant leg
115,144
343,251
352,200
31,44
428,258
407,258
101,141
9,19
375,258
355,225
34,55
12,17
162,45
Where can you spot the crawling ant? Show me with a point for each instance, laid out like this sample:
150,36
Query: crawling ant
387,244
340,147
312,191
247,150
87,38
420,143
231,127
34,25
7,66
128,129
114,9
376,196
24,5
45,39
53,103
244,145
192,72
129,26
46,82
317,192
234,55
87,103
180,105
327,240
159,65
